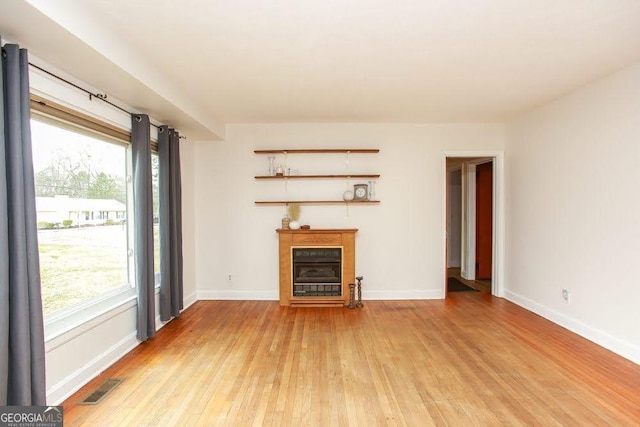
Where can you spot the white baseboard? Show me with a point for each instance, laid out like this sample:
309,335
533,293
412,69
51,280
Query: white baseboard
618,346
238,295
189,300
402,295
274,296
73,382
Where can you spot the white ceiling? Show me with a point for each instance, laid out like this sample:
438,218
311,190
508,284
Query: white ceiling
259,61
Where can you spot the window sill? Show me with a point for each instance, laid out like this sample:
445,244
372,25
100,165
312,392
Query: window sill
68,324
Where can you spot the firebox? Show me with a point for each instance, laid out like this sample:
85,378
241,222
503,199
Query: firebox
317,271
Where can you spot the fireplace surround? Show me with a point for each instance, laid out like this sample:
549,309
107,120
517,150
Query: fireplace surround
316,266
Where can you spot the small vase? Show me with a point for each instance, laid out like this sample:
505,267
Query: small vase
294,225
286,221
272,166
372,190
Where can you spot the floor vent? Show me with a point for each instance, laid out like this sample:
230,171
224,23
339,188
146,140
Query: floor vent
95,397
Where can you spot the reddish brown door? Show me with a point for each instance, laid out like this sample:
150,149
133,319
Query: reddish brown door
484,220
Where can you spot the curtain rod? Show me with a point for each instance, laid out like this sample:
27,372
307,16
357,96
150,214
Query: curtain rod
101,96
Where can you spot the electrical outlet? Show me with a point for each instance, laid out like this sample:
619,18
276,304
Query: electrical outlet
566,296
229,277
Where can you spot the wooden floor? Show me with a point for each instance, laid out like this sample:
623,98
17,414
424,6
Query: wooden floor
471,359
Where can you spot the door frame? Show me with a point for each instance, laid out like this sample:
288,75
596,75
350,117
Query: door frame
497,268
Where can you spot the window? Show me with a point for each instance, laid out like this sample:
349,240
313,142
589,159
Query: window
82,204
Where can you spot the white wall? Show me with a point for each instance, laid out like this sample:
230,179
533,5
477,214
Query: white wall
399,246
573,211
187,164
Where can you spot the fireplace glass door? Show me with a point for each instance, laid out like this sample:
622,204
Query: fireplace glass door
317,271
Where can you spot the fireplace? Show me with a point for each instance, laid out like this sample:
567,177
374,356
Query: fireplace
316,266
317,271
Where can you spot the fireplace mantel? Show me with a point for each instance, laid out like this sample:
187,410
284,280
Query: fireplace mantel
329,237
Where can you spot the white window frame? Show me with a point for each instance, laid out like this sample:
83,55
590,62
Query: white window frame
74,316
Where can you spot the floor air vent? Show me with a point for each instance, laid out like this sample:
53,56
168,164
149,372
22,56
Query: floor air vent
95,397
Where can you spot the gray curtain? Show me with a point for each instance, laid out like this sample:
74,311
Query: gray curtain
170,189
22,358
143,220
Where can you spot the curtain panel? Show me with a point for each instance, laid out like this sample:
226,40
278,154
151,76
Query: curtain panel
170,189
143,225
22,354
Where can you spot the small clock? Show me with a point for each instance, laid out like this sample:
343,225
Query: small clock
361,192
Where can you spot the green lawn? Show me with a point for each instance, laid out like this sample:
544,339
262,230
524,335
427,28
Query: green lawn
81,263
71,274
77,264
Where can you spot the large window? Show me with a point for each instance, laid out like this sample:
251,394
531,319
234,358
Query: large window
82,209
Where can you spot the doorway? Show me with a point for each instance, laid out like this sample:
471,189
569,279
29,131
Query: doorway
473,220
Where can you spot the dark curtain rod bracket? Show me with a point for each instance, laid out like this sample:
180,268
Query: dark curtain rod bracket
101,96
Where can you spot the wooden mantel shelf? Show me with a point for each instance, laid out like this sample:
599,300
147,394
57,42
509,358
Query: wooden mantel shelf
318,230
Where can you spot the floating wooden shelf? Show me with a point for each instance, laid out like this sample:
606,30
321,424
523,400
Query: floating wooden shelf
352,176
320,150
320,176
316,202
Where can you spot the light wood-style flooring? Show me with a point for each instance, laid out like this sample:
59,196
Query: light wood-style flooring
471,359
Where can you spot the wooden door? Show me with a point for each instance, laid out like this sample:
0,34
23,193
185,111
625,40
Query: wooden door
484,220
